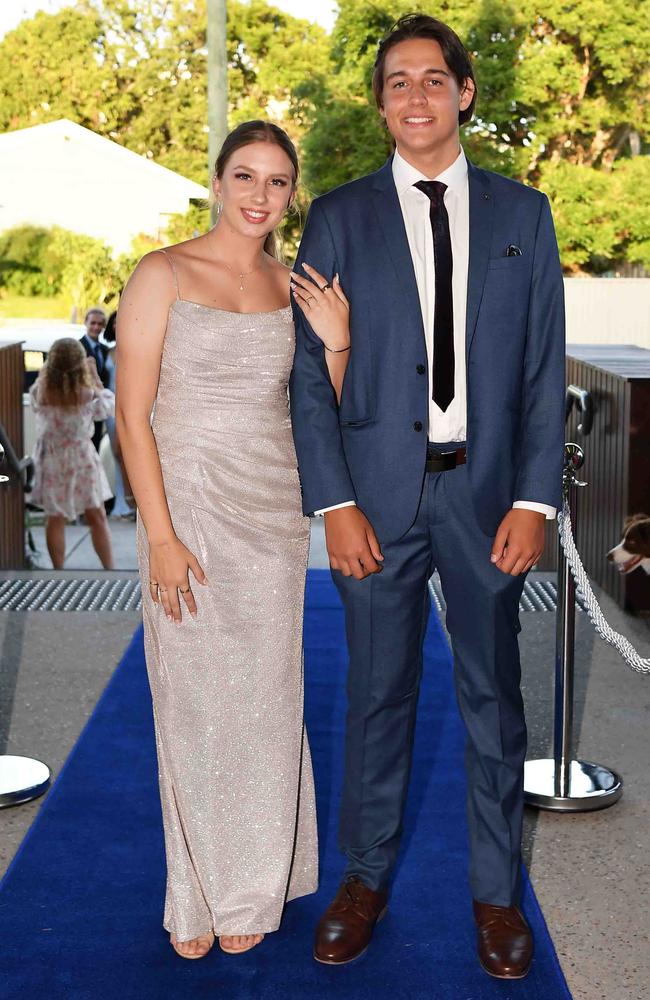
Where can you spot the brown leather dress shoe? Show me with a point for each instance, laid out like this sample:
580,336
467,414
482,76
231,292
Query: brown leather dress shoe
345,929
505,941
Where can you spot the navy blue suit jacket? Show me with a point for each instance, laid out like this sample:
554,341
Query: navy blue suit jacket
369,449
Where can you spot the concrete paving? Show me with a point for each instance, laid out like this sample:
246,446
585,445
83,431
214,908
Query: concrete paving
79,550
590,871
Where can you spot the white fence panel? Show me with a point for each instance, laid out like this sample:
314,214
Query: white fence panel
608,311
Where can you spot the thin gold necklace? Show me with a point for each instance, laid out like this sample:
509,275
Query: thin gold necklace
242,274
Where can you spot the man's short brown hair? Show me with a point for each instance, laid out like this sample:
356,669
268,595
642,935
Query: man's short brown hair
422,26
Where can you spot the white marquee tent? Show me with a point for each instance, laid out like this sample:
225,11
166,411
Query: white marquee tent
63,174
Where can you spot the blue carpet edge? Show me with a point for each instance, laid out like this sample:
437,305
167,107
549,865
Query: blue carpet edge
53,790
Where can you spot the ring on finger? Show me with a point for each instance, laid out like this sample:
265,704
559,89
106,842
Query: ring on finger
325,287
186,591
163,590
153,583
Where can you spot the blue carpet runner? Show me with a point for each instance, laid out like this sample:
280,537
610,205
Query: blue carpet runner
81,905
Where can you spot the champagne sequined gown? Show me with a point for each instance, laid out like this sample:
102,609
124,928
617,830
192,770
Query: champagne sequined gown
234,766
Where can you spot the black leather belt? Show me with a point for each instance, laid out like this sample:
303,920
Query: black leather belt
441,461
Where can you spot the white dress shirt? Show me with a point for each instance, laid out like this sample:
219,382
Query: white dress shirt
450,424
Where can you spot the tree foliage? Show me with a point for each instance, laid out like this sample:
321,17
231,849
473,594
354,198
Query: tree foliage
57,263
136,72
59,66
563,103
563,96
601,217
26,265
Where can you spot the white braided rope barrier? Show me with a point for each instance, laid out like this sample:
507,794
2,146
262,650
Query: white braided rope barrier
586,594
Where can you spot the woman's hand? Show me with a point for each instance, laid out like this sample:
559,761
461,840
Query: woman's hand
169,566
325,306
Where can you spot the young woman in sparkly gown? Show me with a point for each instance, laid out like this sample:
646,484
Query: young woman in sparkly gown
205,343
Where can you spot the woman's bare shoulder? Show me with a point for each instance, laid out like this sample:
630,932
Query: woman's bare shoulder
154,270
151,287
153,264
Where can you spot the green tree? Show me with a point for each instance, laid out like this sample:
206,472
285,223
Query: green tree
26,265
562,95
60,66
52,262
136,73
194,222
632,208
88,272
347,138
567,85
562,104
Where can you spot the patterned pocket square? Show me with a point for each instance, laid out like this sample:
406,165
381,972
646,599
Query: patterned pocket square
513,251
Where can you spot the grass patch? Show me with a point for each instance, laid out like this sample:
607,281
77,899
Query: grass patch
33,307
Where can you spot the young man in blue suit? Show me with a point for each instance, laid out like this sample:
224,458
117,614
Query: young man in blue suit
445,452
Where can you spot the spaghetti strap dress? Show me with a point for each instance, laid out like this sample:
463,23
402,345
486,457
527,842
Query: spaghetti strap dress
235,773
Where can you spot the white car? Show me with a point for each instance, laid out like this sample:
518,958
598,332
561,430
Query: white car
37,336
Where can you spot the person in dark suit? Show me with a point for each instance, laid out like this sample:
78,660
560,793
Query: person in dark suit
445,452
95,322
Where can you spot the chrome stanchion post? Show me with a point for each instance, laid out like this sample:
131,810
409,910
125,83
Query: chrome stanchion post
562,783
565,635
21,778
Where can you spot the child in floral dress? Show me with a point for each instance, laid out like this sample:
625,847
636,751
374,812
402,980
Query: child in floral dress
69,479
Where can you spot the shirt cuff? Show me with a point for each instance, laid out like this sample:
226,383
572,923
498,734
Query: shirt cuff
541,508
337,506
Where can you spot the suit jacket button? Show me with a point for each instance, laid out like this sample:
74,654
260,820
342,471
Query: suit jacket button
420,369
417,426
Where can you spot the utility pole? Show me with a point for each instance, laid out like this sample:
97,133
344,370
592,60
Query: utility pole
217,83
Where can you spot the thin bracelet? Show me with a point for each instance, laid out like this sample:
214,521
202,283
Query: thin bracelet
341,350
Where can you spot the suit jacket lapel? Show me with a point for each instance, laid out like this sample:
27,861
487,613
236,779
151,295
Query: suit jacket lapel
391,220
481,210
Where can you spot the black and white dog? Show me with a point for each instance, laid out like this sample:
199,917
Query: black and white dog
634,548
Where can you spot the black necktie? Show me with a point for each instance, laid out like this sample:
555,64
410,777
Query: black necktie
442,379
